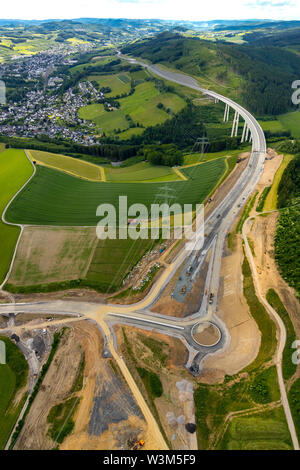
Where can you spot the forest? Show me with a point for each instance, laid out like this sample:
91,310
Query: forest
287,239
266,72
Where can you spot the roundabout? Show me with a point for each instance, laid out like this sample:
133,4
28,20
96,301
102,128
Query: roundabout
206,334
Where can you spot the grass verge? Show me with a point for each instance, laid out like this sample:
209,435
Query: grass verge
288,368
13,377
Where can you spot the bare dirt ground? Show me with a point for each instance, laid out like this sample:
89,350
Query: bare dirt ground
233,309
207,334
170,306
272,163
107,415
52,254
55,388
176,405
262,234
234,312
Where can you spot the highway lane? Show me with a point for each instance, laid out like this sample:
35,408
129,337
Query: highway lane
216,227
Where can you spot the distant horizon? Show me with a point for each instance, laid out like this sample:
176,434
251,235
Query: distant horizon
168,10
151,19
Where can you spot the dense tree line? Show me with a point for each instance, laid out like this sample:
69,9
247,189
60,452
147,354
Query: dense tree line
289,186
181,130
287,239
110,151
166,154
267,72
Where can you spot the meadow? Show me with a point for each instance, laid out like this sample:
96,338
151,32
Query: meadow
264,431
55,198
118,83
113,259
291,122
142,171
141,106
52,254
15,169
13,376
73,166
194,158
272,126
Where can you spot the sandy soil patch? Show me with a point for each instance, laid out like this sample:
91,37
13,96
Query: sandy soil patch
55,388
262,234
206,333
107,416
234,312
272,163
176,406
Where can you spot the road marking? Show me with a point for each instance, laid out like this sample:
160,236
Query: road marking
146,320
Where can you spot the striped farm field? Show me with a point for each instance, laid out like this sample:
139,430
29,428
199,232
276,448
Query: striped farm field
73,166
142,171
15,169
55,198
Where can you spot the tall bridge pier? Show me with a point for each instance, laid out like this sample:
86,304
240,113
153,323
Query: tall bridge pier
235,125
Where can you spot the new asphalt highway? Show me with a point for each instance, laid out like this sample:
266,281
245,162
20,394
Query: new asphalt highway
216,228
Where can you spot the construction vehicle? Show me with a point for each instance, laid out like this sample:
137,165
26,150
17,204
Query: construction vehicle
183,290
189,270
138,445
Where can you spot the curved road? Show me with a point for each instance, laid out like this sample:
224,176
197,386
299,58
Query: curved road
216,228
217,225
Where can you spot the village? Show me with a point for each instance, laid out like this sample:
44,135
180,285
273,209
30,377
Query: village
43,110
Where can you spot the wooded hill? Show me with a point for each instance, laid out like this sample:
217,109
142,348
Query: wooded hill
260,77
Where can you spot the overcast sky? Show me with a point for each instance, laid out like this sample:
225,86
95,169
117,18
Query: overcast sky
163,9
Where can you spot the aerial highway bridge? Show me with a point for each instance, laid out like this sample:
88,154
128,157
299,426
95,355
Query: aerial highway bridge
217,225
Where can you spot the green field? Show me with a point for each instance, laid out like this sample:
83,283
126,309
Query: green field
193,158
119,83
128,133
237,394
106,121
69,165
13,376
56,198
288,367
291,122
141,106
294,401
142,171
15,169
113,259
272,126
264,431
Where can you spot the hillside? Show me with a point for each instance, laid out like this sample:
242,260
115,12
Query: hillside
287,240
259,77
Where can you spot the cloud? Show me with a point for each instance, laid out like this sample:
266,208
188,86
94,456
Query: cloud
194,10
270,3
